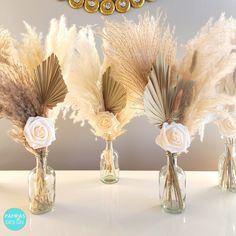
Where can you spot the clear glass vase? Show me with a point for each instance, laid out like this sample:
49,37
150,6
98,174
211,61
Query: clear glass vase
109,165
42,182
172,186
227,166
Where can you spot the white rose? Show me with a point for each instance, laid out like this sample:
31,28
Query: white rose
227,125
39,132
174,138
105,123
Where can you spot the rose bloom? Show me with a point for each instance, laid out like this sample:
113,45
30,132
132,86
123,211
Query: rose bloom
39,132
174,138
105,123
227,125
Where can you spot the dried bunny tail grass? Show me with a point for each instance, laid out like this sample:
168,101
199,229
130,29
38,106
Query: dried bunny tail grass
17,100
60,41
7,49
85,78
133,47
30,49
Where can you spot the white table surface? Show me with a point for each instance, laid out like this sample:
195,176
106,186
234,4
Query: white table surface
87,207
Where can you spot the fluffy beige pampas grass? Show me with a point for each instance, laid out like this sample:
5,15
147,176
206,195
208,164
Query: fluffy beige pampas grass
209,57
84,80
7,49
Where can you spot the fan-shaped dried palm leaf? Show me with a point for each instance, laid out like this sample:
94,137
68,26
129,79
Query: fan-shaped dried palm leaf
114,94
51,88
133,47
166,96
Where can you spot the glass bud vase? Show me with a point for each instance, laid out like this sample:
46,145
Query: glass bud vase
109,165
172,186
227,166
42,182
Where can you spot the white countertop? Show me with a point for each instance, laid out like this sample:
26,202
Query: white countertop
87,207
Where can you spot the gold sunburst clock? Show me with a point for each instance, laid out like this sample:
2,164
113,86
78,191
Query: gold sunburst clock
106,7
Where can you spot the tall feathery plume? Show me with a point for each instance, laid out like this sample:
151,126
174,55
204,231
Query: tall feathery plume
84,80
209,57
7,49
133,47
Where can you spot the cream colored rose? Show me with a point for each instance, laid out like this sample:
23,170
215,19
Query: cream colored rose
105,123
39,132
227,125
174,138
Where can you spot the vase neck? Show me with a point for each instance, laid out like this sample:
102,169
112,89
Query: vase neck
230,146
41,161
109,145
171,158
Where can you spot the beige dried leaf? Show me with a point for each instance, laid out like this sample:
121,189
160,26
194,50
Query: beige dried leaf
166,95
50,86
114,94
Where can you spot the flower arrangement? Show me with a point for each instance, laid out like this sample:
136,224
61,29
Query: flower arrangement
95,96
31,84
226,124
176,97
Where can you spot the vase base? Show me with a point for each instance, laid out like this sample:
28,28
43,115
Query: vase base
36,212
172,207
225,188
109,180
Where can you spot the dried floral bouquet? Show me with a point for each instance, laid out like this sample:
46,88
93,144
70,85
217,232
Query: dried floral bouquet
177,98
95,96
31,85
227,127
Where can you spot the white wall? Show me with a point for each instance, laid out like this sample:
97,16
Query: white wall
76,147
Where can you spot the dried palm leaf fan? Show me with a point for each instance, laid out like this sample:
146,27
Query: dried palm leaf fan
114,94
166,96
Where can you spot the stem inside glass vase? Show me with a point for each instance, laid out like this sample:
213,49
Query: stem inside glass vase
109,166
172,185
227,166
42,186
